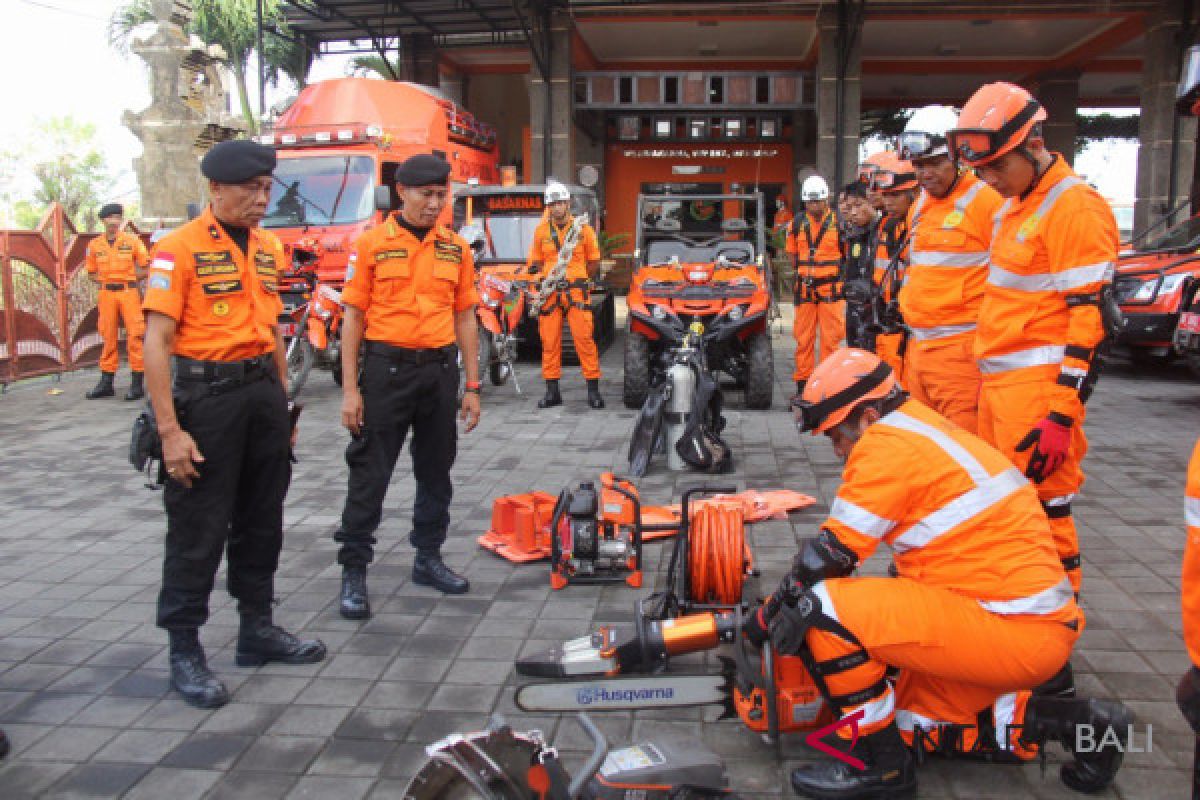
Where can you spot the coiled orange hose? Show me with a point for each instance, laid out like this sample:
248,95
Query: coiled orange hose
717,553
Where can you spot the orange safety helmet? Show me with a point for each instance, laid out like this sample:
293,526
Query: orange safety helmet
846,379
869,166
893,174
996,120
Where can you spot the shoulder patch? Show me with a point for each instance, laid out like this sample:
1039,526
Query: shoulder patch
159,281
163,261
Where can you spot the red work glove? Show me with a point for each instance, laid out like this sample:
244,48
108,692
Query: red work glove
1050,440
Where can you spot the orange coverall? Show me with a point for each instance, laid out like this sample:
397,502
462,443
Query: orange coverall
887,345
982,610
816,244
573,303
115,266
1051,253
942,294
1191,560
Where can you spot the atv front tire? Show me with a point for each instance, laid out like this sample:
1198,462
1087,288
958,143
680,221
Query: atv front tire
636,382
760,371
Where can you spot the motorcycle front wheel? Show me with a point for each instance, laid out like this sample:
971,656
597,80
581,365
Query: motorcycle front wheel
300,360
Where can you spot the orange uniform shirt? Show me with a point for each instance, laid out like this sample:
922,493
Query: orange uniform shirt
544,250
891,235
948,262
225,302
1191,560
116,262
1059,241
816,244
409,290
956,512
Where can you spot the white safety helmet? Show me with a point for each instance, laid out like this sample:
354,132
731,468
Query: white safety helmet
925,133
556,192
814,188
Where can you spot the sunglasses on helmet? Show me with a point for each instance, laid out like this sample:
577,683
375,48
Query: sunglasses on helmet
885,179
918,144
810,415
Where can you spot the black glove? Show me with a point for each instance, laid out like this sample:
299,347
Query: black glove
790,625
534,269
1187,697
755,626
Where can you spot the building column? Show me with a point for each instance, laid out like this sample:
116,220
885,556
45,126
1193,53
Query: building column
551,107
1159,125
829,51
1058,92
422,56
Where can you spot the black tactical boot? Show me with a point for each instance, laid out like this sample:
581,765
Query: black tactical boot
1061,685
137,388
1102,725
552,398
355,603
594,398
190,675
430,570
104,388
260,641
890,771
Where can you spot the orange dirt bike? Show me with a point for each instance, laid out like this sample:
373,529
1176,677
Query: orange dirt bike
501,308
312,329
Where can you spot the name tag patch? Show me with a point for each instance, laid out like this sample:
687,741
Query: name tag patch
222,287
384,255
206,270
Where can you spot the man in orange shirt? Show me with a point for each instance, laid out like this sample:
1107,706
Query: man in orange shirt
212,302
896,182
979,612
117,261
410,301
570,299
1047,302
815,241
947,273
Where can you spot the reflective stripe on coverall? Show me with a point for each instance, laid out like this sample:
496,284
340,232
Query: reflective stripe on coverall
1191,560
981,611
1033,348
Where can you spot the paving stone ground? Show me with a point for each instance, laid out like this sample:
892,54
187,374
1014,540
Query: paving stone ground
83,688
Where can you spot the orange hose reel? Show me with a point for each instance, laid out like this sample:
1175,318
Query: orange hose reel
718,557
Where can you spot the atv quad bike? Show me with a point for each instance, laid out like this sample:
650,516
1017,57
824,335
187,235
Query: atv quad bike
721,283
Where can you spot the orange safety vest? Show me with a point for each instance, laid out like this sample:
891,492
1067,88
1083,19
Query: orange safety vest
892,233
1051,253
955,511
817,246
1191,560
948,263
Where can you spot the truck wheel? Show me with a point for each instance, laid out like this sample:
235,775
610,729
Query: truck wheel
760,371
300,360
1149,357
636,383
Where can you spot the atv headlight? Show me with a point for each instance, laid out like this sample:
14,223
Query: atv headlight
736,313
659,313
1170,283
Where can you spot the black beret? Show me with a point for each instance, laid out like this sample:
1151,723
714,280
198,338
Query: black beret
423,170
111,209
237,161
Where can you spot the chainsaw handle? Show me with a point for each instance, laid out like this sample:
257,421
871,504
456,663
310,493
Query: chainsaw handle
595,760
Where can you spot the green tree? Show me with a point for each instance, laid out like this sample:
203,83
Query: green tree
62,163
232,24
381,65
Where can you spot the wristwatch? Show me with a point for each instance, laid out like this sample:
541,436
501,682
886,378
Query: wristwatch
472,386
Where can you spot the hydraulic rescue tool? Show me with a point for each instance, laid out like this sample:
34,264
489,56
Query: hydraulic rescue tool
700,608
502,764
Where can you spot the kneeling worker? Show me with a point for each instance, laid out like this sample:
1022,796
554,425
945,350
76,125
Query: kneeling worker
410,300
212,301
980,612
569,298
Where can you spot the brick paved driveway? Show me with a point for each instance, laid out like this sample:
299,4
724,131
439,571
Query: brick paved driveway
83,689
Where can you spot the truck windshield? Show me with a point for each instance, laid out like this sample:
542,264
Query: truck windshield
507,237
1184,236
321,190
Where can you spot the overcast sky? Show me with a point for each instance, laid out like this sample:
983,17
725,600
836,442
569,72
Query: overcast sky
55,57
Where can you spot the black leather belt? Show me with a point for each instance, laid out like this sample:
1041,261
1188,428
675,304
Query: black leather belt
224,373
407,355
119,287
